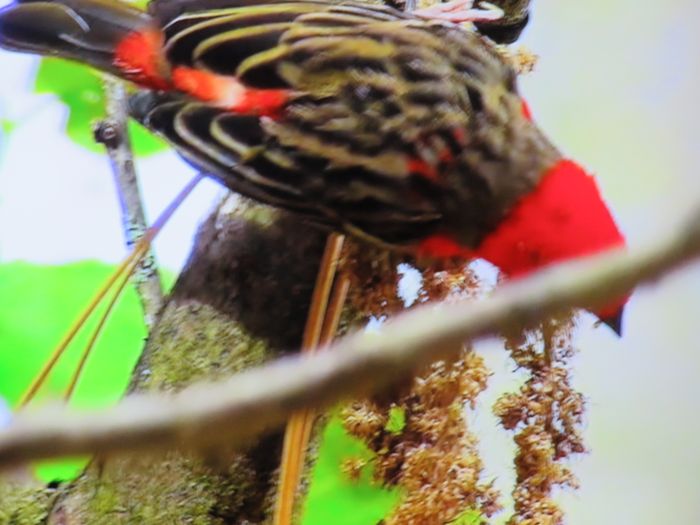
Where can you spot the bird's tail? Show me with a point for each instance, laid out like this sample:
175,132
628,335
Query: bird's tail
87,31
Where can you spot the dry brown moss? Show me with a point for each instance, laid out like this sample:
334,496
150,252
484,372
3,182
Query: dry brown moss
546,417
419,431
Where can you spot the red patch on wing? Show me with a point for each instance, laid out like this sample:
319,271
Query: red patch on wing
264,102
229,93
460,136
139,57
202,84
446,156
527,113
422,168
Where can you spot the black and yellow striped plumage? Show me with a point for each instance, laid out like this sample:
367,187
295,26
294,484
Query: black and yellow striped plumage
507,29
375,93
394,127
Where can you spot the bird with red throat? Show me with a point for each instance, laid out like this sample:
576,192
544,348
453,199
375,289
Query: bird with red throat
401,129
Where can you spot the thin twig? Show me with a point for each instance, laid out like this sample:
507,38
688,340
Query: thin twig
112,132
235,410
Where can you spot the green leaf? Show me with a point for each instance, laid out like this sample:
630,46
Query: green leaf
80,88
334,498
39,303
7,126
66,469
144,142
397,420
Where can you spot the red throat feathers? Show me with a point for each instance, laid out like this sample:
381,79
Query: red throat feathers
563,218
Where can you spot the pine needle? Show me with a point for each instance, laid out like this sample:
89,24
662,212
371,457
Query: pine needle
321,325
125,268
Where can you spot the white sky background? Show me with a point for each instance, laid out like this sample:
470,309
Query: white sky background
617,85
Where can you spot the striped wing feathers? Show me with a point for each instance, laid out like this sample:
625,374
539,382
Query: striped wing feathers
237,150
380,104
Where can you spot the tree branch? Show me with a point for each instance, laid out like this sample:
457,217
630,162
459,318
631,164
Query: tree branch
235,410
113,133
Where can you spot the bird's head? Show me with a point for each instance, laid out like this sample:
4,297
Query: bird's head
533,207
563,218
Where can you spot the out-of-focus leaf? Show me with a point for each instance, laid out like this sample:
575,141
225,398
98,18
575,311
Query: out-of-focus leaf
335,499
143,141
37,305
80,88
7,126
65,469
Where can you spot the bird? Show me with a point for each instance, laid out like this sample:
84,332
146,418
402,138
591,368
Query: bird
404,130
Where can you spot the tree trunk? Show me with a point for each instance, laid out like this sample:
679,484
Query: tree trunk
241,300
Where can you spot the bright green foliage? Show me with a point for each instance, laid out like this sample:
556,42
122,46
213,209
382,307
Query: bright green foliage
7,126
333,497
37,305
81,90
397,420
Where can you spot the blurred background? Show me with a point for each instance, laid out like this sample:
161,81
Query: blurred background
616,86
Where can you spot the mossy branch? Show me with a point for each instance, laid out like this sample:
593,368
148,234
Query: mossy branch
233,411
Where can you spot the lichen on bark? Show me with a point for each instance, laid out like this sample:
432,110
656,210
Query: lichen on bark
24,502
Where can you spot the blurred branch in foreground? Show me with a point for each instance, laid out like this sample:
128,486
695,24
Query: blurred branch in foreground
233,411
